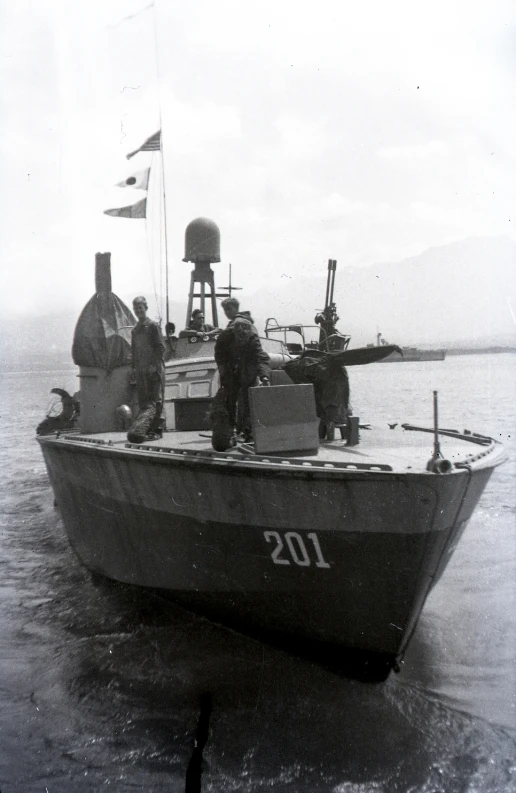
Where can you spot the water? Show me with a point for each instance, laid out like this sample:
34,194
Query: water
101,685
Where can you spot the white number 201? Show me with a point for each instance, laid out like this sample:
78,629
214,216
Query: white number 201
295,548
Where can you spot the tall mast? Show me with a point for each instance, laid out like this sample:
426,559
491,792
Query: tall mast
164,226
162,160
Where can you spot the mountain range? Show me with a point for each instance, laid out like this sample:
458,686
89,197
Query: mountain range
461,294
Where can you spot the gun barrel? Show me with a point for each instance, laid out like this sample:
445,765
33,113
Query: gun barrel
332,266
326,304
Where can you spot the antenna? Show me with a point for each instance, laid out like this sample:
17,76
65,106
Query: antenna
231,288
437,464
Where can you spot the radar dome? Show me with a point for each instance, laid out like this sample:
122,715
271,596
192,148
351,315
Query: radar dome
202,241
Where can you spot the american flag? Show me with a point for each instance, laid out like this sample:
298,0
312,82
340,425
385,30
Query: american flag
151,144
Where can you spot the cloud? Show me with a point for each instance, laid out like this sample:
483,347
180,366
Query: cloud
245,216
191,127
304,135
336,204
435,215
301,137
419,152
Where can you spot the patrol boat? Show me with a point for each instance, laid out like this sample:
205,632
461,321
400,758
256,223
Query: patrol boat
338,544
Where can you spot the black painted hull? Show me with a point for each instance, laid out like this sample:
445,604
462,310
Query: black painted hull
346,557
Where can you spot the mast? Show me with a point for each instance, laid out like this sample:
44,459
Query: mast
167,311
162,161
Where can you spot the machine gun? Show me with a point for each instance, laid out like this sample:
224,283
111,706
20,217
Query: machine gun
330,339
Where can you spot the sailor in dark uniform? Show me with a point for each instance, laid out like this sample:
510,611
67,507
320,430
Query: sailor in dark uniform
331,388
231,308
170,341
242,363
148,349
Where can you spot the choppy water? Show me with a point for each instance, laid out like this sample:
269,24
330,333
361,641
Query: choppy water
100,685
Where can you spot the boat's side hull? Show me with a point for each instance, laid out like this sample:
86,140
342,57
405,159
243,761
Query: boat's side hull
347,557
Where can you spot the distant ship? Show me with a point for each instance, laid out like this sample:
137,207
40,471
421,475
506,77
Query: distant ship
408,353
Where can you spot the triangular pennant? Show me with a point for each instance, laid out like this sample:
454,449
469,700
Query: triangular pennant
138,210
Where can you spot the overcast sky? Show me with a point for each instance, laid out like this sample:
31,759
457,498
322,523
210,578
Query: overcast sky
364,131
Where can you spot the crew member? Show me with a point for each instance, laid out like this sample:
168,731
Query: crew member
170,341
148,349
242,363
231,308
331,388
197,327
327,319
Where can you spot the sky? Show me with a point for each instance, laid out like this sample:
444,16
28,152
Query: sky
365,132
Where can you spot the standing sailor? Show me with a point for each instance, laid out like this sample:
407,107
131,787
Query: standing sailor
148,349
242,363
231,308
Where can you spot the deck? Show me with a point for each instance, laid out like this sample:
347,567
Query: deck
398,450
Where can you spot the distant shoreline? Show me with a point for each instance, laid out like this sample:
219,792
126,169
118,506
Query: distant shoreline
58,363
479,351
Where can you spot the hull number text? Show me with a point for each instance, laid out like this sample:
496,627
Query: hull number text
291,547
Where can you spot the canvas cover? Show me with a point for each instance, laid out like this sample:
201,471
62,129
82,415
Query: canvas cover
330,382
103,333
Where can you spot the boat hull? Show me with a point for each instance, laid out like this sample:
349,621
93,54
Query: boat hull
346,557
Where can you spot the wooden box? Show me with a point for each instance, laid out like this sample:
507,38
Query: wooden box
284,418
